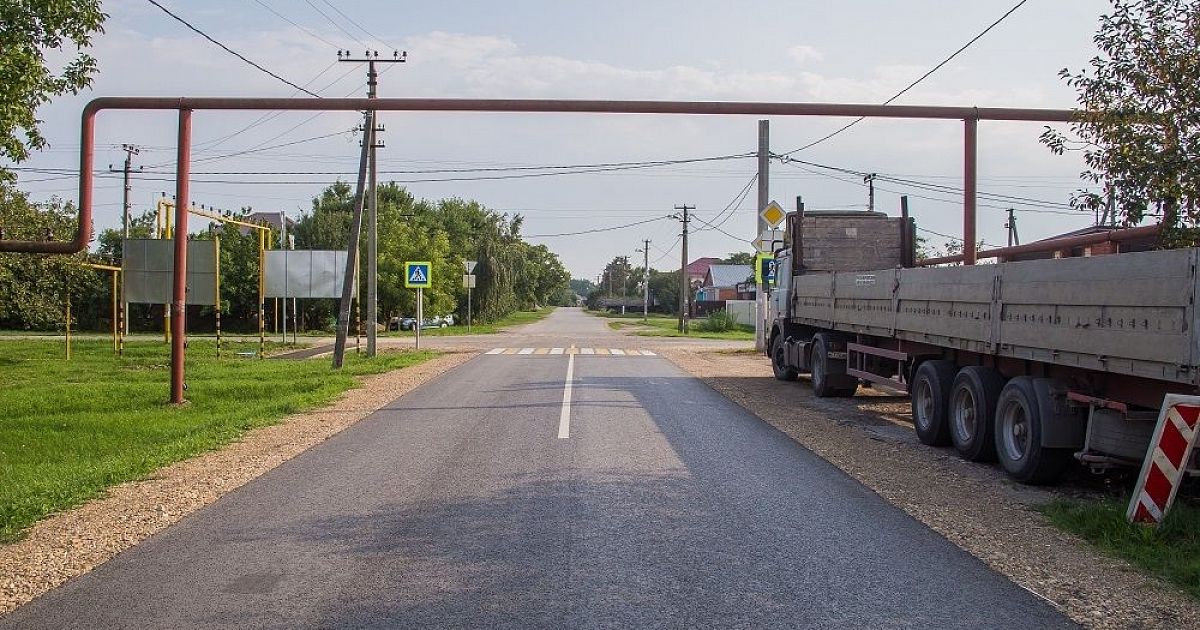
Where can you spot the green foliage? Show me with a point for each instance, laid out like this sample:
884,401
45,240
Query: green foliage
739,258
664,290
1171,551
27,30
1139,102
718,321
73,428
511,273
34,288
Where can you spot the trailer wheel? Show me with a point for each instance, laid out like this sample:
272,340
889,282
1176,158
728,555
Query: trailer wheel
973,399
931,401
779,365
1018,428
829,375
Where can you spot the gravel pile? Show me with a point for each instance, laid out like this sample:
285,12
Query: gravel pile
72,543
974,506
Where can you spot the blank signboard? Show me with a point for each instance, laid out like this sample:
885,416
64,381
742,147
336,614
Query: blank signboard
148,265
305,273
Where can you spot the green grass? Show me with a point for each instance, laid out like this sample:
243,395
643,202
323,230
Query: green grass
1171,552
70,429
659,325
517,318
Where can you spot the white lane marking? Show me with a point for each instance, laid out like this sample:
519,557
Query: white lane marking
556,350
616,351
495,351
526,351
647,353
587,351
564,419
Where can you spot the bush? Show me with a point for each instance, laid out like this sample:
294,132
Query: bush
718,321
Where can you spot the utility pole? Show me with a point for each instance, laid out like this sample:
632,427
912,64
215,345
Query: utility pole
869,179
645,279
685,287
130,151
283,242
1013,237
764,198
343,323
371,58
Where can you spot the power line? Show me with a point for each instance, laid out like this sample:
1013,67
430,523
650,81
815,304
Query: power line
334,22
919,79
596,230
733,205
356,24
294,23
228,49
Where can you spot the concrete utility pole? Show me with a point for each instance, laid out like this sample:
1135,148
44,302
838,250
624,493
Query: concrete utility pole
869,179
764,198
685,287
343,323
130,151
1013,237
371,58
645,279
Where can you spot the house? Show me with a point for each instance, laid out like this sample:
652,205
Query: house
697,270
273,219
1095,249
721,283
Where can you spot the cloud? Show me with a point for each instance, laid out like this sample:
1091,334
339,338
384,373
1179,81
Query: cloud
803,54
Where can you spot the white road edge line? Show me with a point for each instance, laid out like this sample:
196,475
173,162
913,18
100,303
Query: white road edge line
564,418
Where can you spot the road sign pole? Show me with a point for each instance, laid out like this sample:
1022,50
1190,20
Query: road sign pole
420,315
468,309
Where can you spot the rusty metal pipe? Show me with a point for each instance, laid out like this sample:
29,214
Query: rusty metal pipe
970,178
83,235
1052,245
179,276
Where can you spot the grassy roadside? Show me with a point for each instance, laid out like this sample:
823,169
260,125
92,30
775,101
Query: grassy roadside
659,325
71,429
1171,552
517,318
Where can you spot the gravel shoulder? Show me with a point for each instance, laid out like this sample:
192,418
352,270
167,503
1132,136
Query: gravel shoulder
974,506
76,541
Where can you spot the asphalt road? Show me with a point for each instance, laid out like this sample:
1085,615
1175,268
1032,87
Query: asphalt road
459,505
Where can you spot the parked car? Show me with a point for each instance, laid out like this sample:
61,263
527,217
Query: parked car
406,323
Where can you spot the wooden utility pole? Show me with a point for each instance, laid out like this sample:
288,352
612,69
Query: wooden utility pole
1013,237
685,287
371,58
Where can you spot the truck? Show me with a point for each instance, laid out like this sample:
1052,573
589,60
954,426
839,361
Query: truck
1035,364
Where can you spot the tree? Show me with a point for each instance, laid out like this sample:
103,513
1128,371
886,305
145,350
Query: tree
739,258
27,30
35,287
1140,103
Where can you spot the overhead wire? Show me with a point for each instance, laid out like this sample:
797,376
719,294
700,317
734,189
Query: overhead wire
230,50
352,36
597,230
910,86
296,24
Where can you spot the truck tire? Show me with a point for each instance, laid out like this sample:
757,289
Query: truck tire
931,401
779,365
829,375
1018,432
972,412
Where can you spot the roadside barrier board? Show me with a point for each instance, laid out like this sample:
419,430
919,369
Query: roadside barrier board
1170,449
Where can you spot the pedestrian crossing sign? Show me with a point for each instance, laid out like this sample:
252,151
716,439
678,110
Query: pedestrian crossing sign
764,269
417,275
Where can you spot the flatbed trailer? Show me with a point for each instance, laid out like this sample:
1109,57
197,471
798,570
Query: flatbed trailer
1032,363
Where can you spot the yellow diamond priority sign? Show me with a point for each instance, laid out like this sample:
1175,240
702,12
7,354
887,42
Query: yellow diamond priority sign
772,214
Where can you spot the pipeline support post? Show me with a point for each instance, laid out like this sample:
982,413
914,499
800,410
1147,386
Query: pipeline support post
970,179
179,279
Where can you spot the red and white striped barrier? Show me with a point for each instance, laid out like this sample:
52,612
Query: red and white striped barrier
1174,439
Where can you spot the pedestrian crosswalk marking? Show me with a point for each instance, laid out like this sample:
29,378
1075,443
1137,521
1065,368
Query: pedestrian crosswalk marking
615,352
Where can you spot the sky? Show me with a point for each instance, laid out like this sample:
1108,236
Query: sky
860,51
